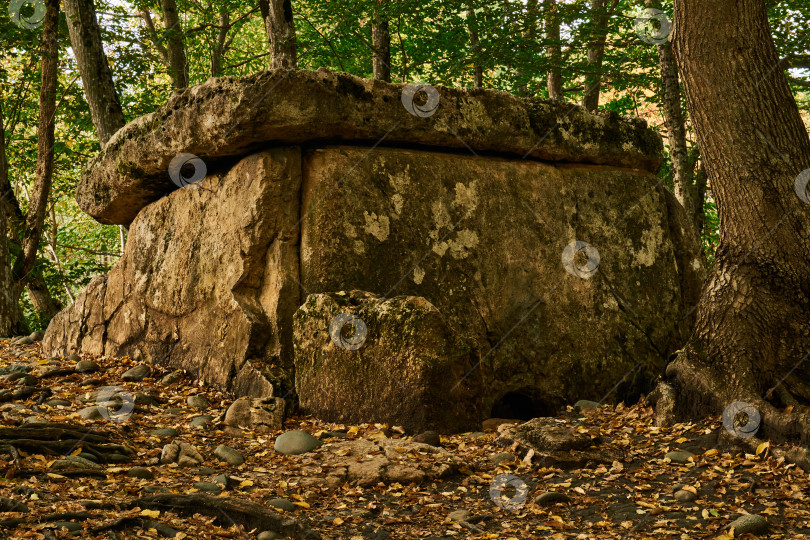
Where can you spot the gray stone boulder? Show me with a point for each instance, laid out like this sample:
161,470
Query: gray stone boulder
258,414
402,364
563,271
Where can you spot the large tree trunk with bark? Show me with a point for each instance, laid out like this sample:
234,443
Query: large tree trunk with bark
280,28
381,42
221,44
596,53
752,333
176,46
553,50
35,218
478,70
11,319
85,39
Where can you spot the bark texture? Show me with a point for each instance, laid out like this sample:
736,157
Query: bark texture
85,38
280,28
381,42
38,206
10,314
553,50
478,70
176,47
752,334
596,52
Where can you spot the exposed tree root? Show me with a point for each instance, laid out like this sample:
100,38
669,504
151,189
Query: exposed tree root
135,521
58,440
229,511
692,390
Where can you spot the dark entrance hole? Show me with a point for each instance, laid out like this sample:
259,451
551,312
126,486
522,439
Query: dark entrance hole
518,405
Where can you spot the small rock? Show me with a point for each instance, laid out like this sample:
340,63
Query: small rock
27,380
679,456
584,404
181,453
201,421
295,442
207,486
197,402
208,471
684,496
172,378
282,504
56,402
146,400
73,358
428,437
137,373
224,480
90,413
460,516
93,381
475,434
174,411
492,424
228,454
141,472
88,456
37,336
267,535
749,523
164,432
13,376
500,457
86,366
551,497
258,414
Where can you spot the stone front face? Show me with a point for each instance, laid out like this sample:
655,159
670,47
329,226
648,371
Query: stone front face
208,281
482,239
400,363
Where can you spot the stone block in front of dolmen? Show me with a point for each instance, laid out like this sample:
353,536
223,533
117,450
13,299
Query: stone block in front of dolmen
361,358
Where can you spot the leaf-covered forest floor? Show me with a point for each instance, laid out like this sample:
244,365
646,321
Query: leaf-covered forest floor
632,497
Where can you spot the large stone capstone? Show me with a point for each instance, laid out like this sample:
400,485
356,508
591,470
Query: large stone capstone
528,243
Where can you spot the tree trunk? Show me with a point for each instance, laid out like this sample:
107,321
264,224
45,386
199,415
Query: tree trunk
176,47
529,35
85,39
35,218
280,28
596,53
14,221
478,71
381,42
218,51
554,51
752,335
11,319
